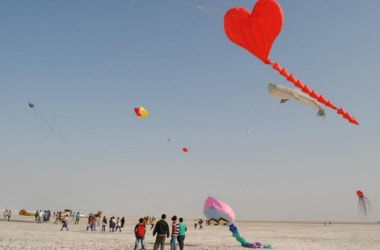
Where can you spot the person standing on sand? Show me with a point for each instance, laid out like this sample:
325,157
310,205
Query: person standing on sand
104,223
181,234
162,230
140,231
77,218
118,224
153,222
64,224
58,217
5,214
36,214
95,223
175,229
41,216
200,223
9,214
90,220
112,224
122,221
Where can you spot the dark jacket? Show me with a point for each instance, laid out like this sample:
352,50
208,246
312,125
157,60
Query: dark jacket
161,227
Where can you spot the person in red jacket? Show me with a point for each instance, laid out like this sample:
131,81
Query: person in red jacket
140,234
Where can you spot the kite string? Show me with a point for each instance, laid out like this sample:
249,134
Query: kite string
312,93
50,127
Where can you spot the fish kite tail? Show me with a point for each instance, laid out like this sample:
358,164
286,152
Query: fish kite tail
321,112
244,242
303,87
312,93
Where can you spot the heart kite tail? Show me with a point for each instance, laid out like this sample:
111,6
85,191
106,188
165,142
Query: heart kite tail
312,93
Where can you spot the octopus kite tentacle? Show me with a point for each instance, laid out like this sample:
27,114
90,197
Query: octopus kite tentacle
364,204
244,242
219,213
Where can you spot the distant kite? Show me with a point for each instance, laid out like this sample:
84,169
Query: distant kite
185,149
285,93
364,204
141,112
31,105
219,213
257,31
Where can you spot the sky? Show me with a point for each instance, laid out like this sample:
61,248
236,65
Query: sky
85,65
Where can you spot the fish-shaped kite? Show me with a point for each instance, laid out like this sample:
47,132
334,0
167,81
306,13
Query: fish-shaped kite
285,93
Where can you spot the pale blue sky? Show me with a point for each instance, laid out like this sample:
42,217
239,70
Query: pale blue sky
87,64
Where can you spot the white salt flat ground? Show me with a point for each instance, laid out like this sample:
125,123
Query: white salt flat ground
23,233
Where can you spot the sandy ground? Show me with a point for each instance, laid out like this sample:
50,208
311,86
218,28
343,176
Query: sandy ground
23,233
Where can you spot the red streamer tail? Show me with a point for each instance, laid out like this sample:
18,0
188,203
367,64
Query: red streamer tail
312,93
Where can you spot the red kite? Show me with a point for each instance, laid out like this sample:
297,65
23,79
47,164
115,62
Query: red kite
256,32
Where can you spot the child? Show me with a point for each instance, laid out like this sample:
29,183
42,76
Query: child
104,223
140,231
64,224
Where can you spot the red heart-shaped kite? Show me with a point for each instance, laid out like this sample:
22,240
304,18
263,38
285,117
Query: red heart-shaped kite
255,31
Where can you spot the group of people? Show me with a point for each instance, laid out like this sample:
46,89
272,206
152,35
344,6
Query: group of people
114,223
199,223
42,216
161,228
162,231
7,214
149,220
